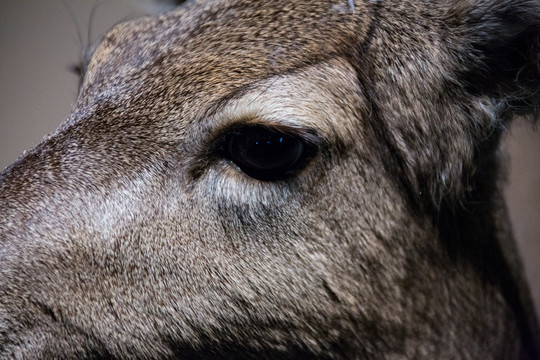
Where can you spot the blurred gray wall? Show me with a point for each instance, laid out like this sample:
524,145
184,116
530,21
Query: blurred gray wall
38,43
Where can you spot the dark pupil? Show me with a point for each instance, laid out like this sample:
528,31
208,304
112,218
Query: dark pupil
264,154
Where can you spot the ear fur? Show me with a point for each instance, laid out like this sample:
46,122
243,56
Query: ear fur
502,48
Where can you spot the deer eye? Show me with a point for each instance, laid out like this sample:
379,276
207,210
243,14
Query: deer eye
267,154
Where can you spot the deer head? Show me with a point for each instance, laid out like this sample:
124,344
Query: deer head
278,179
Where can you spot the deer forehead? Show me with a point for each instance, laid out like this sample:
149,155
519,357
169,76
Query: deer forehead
184,65
219,47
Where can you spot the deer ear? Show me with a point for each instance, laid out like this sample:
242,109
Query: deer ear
500,50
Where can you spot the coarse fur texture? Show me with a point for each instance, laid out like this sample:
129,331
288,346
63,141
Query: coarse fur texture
126,235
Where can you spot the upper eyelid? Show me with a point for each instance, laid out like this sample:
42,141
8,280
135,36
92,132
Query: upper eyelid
273,102
261,85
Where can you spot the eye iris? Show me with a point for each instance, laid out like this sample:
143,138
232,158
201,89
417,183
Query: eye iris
263,153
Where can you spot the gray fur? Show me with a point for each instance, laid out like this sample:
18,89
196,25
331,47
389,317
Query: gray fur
125,235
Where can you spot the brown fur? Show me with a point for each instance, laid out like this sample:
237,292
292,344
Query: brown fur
126,235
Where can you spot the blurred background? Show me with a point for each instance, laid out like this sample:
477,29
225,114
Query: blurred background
40,41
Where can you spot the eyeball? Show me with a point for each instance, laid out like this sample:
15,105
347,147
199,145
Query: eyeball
267,154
